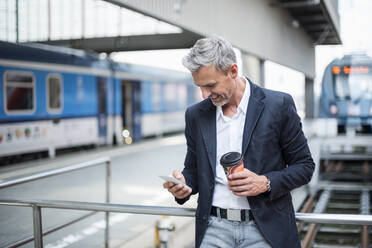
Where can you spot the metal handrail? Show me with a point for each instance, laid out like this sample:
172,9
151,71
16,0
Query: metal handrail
351,219
50,230
348,219
54,172
101,207
37,210
37,205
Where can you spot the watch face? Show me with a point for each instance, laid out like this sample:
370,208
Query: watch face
268,185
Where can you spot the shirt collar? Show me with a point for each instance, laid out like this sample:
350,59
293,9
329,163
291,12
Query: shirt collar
243,102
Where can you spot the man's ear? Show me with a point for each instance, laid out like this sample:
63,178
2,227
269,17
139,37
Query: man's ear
233,71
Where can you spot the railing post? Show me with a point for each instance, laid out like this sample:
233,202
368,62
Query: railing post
38,229
108,182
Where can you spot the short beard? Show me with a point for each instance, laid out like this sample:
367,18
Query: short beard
220,104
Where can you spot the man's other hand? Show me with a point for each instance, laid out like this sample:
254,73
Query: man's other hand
247,183
179,191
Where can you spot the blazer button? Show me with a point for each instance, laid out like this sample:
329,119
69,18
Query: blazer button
204,217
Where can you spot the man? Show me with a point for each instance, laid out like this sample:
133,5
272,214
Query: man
252,208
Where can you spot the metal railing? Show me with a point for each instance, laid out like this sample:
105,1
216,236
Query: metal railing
54,172
37,205
107,207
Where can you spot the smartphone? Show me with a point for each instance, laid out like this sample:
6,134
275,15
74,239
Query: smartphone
171,179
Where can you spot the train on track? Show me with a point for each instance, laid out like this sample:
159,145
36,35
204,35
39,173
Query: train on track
347,93
54,98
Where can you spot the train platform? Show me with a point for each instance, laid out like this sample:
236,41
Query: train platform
35,166
134,181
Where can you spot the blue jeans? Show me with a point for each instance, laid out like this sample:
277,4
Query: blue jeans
223,233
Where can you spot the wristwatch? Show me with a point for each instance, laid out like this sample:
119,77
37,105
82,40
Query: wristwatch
268,185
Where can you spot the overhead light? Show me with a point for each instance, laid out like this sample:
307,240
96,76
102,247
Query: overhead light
295,24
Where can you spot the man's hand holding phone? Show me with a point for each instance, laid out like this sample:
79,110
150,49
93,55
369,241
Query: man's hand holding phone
178,190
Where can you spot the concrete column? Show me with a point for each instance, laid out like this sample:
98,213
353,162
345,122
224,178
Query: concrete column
309,98
262,72
17,21
251,68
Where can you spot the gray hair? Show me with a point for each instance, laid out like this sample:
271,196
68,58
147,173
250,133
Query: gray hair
210,51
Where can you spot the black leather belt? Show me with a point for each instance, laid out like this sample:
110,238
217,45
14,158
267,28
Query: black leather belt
232,214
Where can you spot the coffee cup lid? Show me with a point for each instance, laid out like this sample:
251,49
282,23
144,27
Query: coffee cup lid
231,159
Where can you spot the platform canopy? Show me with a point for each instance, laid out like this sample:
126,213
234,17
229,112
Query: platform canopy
318,18
142,42
283,31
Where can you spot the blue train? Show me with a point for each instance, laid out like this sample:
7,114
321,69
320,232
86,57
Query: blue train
55,98
347,92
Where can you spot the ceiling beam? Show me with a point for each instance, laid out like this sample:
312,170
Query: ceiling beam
131,43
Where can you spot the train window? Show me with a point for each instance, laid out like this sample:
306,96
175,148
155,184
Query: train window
170,92
156,96
182,96
19,91
360,86
342,89
54,93
353,86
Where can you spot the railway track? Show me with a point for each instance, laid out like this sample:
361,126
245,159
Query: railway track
347,190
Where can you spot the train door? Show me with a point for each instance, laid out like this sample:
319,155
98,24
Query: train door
102,110
131,107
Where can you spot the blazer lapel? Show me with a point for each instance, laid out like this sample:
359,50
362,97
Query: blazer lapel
255,108
208,130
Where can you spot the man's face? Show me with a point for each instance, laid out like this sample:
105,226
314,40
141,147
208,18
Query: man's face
215,84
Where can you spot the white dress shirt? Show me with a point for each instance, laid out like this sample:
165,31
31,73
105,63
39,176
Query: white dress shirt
229,139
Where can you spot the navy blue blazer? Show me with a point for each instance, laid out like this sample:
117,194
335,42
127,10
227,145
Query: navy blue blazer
273,145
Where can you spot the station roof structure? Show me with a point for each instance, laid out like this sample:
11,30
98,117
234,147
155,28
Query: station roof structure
94,25
319,18
180,40
283,31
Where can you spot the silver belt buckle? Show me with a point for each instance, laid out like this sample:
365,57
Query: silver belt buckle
234,215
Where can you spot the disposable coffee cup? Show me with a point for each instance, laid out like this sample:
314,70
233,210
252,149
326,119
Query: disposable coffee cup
232,162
